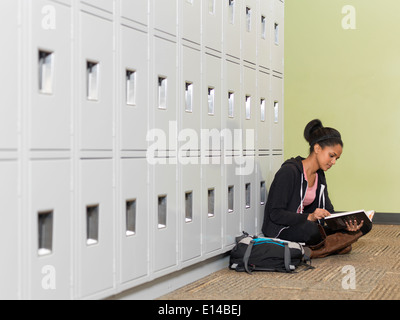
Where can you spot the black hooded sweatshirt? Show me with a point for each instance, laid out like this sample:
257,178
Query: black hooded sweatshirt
286,196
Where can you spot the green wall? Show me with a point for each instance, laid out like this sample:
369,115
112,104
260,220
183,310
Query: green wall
350,79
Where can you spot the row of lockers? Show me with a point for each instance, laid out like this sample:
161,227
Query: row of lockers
88,86
115,225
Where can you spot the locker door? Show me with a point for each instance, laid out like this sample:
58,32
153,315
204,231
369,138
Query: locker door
96,83
250,26
96,227
9,76
134,227
278,36
265,34
232,29
10,230
213,12
191,20
263,114
50,56
191,218
136,10
134,89
50,229
263,185
277,111
165,16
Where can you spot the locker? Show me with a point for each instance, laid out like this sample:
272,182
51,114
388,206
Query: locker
191,89
212,206
232,29
263,114
265,34
263,182
10,231
96,83
191,20
249,190
165,16
106,5
250,27
50,230
190,203
249,108
212,28
277,110
277,38
136,10
9,77
50,56
134,89
165,219
96,227
276,163
133,230
165,81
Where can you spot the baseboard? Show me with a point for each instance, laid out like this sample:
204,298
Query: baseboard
387,218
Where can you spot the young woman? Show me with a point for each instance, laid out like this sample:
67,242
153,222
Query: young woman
298,200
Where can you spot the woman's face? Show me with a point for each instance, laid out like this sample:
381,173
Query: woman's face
328,156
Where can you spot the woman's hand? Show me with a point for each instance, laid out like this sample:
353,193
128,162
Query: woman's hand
353,226
318,215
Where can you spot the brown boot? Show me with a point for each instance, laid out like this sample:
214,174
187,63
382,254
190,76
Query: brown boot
335,243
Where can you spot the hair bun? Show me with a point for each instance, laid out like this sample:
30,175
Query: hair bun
312,127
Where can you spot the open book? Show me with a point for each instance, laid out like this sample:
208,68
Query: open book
337,221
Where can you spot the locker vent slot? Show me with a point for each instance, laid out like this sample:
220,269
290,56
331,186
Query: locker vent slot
248,195
276,112
248,107
162,92
131,87
211,101
130,218
189,97
189,207
231,104
46,65
232,11
92,225
276,29
248,19
93,78
263,193
211,203
45,233
262,110
162,212
263,27
231,195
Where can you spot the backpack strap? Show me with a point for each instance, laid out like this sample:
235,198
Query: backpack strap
247,256
288,259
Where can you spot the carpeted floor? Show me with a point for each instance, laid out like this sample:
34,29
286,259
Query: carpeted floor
374,261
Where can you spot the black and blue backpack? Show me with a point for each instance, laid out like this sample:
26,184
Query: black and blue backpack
252,253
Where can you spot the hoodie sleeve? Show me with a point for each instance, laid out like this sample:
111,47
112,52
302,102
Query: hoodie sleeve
284,198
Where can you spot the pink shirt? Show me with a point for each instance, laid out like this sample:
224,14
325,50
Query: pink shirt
311,192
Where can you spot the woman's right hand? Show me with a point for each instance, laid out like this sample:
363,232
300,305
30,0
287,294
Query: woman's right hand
318,215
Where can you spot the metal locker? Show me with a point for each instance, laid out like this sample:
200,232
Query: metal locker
95,228
277,111
212,205
249,29
134,90
191,20
248,108
165,16
212,28
50,61
190,204
107,5
232,29
133,229
263,112
278,30
10,231
96,83
164,219
9,77
165,81
262,187
136,10
265,34
50,241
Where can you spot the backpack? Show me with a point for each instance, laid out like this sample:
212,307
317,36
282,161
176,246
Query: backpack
252,253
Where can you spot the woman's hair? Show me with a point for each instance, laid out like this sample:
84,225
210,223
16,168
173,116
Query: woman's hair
315,133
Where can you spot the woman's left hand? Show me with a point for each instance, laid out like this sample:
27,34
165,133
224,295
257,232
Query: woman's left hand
353,226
